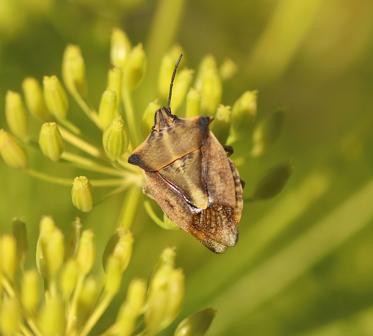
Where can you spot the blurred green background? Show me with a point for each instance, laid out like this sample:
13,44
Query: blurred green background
303,265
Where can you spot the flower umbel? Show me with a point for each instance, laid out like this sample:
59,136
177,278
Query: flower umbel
66,297
122,123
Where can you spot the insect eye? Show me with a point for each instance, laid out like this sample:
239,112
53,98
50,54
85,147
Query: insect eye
134,159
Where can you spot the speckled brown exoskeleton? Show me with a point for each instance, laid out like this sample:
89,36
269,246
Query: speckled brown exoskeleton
188,173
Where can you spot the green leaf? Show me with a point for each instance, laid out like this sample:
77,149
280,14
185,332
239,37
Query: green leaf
196,324
273,182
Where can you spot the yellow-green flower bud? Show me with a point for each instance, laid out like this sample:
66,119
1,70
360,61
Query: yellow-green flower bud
228,69
10,317
8,254
193,104
52,317
53,251
47,227
166,69
267,132
115,140
181,86
73,238
131,309
114,82
196,324
87,298
119,245
148,115
209,85
20,234
135,67
166,293
120,47
136,295
55,97
86,252
81,194
16,115
222,123
30,291
51,141
35,100
243,115
176,295
113,275
73,70
108,108
11,151
69,277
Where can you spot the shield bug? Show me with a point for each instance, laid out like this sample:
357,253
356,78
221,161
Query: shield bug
188,173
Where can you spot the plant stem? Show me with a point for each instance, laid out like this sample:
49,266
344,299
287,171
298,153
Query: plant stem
133,124
25,331
33,327
49,178
11,292
8,287
97,313
92,115
70,126
129,207
68,182
71,316
81,144
90,164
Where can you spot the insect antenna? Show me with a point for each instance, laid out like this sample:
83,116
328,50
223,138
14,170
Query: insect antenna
172,81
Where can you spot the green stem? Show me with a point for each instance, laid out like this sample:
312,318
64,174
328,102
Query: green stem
49,178
70,126
151,213
68,182
25,331
90,164
8,287
71,316
129,207
107,183
11,292
81,144
127,166
97,313
33,326
133,124
92,115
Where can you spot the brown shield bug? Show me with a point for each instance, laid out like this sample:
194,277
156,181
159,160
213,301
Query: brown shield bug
188,173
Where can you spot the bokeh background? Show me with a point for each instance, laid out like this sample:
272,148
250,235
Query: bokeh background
304,262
